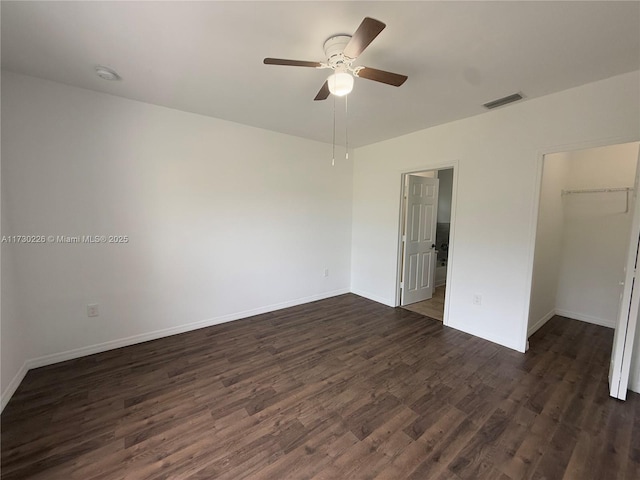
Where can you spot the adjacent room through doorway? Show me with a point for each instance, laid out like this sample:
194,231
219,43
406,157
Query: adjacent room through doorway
425,234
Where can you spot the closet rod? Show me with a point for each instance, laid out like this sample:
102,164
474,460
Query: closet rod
603,190
597,190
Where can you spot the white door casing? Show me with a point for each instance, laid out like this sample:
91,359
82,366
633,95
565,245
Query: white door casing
629,302
419,252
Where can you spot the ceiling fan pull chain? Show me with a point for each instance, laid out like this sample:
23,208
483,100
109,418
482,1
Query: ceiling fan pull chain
346,126
333,160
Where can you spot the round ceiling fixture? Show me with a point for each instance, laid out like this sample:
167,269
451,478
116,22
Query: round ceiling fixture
106,73
340,83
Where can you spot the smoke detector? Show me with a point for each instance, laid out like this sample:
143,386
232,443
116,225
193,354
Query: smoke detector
107,73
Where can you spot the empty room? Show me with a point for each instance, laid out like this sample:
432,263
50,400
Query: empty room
320,240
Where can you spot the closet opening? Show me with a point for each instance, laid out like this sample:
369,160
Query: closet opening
585,239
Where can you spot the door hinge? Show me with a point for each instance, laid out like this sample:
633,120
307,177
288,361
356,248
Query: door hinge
401,285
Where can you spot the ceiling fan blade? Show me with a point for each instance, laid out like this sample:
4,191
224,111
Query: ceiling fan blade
369,29
291,63
381,76
324,92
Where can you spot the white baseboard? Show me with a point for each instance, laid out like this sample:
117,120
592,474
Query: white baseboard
536,326
586,318
371,296
13,386
145,337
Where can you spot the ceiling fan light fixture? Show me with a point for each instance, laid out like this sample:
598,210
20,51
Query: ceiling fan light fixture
340,83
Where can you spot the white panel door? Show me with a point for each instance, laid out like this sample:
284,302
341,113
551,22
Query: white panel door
629,306
419,257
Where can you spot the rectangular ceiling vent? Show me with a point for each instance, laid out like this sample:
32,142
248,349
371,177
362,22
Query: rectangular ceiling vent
503,101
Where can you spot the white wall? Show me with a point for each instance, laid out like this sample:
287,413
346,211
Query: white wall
596,233
12,329
548,247
499,158
224,220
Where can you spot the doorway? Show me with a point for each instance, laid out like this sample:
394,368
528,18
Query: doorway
425,236
585,222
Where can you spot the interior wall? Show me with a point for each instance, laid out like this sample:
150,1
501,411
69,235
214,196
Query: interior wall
12,329
498,156
596,233
548,247
223,220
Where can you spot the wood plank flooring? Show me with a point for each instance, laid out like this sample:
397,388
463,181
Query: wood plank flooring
343,388
434,307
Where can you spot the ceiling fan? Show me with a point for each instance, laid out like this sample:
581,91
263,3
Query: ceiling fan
341,52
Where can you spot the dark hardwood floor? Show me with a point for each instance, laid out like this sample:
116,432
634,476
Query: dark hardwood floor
343,388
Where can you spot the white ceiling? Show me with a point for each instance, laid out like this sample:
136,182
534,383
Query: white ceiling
206,57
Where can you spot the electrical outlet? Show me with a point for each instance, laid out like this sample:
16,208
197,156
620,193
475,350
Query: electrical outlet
326,272
92,310
477,299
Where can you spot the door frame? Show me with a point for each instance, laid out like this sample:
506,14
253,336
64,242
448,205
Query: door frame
454,193
602,142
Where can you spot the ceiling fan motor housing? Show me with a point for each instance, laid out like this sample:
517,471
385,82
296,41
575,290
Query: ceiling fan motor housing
334,48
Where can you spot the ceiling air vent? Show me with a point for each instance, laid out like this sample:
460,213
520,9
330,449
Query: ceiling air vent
503,101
